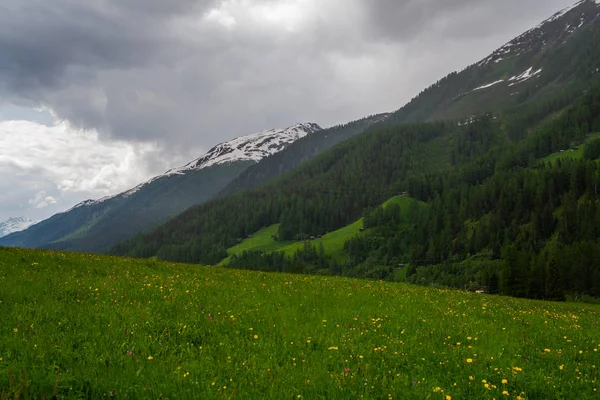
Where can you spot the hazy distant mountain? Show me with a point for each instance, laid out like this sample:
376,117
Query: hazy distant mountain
15,224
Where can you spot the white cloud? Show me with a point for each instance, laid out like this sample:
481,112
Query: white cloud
48,169
41,200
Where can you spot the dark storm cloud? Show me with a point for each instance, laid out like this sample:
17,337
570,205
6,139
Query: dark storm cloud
160,70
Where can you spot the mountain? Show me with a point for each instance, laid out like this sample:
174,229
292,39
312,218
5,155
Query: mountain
96,225
297,153
478,155
15,224
558,56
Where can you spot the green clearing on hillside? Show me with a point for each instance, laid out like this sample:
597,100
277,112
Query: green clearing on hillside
575,153
261,240
110,327
333,242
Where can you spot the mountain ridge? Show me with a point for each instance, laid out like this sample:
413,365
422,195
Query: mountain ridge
96,225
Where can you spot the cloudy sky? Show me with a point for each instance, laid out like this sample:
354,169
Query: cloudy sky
99,95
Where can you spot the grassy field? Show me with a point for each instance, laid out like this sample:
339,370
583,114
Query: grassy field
571,153
85,326
261,240
333,242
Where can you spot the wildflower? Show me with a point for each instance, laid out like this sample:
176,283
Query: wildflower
504,381
129,352
505,392
448,397
547,350
150,358
15,330
561,367
255,336
332,348
469,360
471,378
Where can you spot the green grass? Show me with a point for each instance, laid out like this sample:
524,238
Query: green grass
97,327
570,153
261,240
333,242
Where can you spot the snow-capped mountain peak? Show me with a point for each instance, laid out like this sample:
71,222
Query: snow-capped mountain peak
253,147
13,225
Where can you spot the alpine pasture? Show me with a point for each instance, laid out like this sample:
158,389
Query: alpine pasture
86,326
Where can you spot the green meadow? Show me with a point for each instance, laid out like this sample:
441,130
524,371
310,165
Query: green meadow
333,242
86,326
575,152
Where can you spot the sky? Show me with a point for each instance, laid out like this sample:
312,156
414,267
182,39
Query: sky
97,96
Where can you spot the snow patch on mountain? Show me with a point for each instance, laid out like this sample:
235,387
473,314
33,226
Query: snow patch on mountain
488,85
253,147
15,224
528,74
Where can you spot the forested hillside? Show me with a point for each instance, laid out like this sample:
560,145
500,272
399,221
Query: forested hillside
486,192
497,213
526,228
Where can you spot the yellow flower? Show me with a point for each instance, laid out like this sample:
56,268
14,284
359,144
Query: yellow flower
471,378
547,350
150,357
469,360
448,397
255,336
15,330
504,381
332,348
505,393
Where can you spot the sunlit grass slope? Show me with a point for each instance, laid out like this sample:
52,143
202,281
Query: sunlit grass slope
261,240
575,153
99,327
333,242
